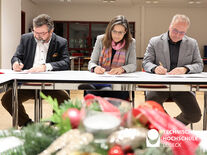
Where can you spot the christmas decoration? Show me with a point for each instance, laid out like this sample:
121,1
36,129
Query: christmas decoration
116,150
128,137
73,115
36,138
122,130
68,143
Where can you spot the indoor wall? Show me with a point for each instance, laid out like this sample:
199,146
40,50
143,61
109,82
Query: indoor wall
0,34
149,20
10,29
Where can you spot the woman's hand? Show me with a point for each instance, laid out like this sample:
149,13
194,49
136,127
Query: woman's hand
118,71
99,70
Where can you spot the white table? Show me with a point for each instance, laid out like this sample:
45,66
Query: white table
4,81
70,80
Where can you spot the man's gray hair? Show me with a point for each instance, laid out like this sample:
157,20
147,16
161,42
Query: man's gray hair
180,18
43,19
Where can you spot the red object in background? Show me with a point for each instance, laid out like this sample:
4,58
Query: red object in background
74,116
154,105
150,126
1,72
105,105
143,119
89,99
163,122
116,150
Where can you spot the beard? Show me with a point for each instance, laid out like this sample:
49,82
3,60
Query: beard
42,39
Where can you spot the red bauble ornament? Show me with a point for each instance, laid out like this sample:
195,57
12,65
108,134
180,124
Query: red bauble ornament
74,116
116,150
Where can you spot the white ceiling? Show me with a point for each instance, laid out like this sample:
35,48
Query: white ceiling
123,2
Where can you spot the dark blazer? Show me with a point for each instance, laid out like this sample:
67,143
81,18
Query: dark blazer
57,55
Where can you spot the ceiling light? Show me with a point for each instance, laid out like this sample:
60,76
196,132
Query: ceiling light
194,2
151,1
109,1
190,2
65,1
155,2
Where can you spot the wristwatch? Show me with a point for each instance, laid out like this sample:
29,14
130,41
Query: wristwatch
153,70
92,69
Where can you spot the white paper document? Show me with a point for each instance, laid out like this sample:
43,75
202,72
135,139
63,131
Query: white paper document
201,75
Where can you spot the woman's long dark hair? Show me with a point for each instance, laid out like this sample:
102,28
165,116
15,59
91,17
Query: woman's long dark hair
118,20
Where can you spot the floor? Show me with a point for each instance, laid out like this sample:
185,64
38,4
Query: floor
171,108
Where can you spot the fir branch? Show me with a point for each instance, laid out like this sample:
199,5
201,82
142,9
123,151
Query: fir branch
37,137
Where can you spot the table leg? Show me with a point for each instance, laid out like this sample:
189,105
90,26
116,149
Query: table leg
79,63
38,106
72,64
205,111
15,105
131,96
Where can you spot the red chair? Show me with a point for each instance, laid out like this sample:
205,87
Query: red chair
79,60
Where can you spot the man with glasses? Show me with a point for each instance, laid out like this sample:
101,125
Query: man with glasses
39,51
175,53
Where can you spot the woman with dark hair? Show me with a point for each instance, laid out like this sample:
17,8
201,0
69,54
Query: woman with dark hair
114,53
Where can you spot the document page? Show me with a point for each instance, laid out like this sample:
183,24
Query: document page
199,75
125,75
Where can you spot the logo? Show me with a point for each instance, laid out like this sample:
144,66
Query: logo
153,138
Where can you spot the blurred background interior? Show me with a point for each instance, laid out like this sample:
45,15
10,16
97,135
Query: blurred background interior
80,21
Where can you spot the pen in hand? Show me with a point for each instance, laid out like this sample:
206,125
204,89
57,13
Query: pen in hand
19,62
160,63
17,66
161,69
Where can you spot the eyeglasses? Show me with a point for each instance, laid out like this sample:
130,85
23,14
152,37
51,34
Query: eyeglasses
40,33
118,32
175,31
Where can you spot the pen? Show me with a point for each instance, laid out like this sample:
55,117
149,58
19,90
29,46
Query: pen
19,62
160,63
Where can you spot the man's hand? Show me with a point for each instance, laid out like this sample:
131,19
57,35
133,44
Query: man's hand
17,66
178,70
118,71
99,70
160,70
40,68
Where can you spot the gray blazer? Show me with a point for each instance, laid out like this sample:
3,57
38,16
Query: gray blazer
158,51
130,59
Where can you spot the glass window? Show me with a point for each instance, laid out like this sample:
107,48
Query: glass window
81,36
61,29
132,29
78,35
97,29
